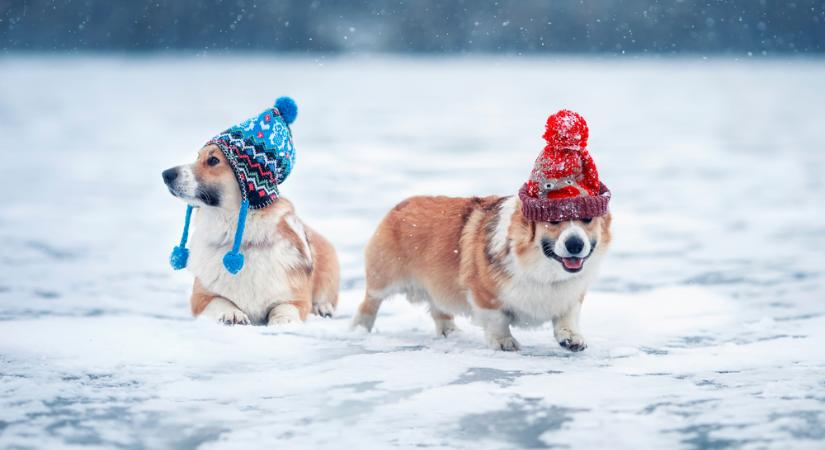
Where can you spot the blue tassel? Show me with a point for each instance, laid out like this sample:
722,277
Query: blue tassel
180,254
288,109
233,259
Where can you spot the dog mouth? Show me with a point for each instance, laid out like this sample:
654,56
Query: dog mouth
178,194
571,264
174,192
207,196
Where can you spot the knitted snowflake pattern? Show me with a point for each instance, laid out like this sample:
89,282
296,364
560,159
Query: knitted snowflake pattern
261,153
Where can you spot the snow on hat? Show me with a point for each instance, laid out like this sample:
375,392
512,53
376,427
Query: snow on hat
564,183
262,155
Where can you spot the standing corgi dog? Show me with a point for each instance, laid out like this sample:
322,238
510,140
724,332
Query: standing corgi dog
264,266
482,257
519,260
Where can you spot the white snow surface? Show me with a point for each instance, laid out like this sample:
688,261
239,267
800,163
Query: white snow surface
706,328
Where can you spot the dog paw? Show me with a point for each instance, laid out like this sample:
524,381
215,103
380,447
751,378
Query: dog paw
571,340
278,320
365,321
444,328
223,311
505,343
323,309
233,318
284,314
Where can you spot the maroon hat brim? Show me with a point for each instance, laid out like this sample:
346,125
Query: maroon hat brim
577,208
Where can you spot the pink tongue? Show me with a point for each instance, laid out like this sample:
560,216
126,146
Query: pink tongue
572,263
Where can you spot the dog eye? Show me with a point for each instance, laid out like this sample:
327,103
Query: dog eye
213,161
555,222
587,220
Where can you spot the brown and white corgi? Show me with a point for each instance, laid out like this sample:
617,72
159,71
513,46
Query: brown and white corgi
482,257
289,271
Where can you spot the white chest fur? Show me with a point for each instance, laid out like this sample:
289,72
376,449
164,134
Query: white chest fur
534,303
268,259
540,295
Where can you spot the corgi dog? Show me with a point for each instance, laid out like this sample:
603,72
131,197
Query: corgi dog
290,269
482,257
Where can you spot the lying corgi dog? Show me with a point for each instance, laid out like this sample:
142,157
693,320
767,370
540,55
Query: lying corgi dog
275,270
290,269
519,260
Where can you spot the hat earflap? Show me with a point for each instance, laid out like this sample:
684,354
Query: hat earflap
180,254
233,259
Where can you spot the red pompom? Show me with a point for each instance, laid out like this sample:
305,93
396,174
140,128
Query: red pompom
566,130
559,163
565,168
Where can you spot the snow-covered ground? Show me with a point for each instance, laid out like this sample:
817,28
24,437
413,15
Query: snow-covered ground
706,328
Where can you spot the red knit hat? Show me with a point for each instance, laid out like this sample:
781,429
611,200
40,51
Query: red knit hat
564,183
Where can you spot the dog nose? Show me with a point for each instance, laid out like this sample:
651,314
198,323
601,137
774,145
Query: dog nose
574,245
169,175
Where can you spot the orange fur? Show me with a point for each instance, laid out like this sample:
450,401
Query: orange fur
425,238
200,298
325,277
443,247
220,173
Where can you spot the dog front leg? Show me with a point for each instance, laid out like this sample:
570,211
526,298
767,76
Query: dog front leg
287,313
223,311
496,324
566,329
210,305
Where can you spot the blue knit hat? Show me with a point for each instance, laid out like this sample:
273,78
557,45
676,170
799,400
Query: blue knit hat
261,154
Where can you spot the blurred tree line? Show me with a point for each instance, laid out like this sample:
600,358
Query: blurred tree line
528,26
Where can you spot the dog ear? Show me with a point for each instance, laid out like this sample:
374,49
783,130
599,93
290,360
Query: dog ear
528,226
606,220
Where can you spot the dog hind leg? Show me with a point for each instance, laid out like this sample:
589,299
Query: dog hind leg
444,324
325,276
365,316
